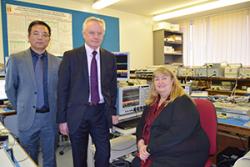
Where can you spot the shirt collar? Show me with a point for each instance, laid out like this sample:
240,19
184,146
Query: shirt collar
33,53
89,50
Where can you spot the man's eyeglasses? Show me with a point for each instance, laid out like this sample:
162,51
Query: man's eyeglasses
44,35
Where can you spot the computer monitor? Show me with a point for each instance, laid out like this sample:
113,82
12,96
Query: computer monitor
2,90
122,62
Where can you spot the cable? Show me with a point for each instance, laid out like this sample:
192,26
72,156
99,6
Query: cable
234,89
10,151
11,148
24,159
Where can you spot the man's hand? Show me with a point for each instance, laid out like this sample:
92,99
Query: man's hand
63,128
115,119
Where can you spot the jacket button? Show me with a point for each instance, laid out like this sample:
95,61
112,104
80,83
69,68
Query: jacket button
35,93
34,106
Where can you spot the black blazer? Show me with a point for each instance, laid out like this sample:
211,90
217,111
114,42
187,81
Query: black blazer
73,86
176,137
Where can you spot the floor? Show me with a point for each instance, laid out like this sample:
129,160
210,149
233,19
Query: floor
64,160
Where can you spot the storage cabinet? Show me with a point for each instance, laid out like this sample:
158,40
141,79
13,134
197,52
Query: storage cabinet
168,47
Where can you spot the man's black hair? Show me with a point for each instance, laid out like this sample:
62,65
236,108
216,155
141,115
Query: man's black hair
38,22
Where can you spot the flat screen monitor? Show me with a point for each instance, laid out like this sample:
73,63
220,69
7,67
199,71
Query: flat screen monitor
2,90
122,63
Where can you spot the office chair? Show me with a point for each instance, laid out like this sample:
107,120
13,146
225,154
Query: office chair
208,122
63,143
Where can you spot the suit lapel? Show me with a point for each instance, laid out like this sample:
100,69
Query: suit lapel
29,63
102,59
83,63
50,67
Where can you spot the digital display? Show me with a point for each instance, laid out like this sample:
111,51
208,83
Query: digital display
122,64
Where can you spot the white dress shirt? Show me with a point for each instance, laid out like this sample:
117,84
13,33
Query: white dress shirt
89,58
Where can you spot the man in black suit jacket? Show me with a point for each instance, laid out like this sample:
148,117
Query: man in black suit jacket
84,106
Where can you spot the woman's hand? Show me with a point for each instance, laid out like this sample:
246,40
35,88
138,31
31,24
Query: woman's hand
143,154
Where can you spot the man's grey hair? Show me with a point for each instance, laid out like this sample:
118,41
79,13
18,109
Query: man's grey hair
92,18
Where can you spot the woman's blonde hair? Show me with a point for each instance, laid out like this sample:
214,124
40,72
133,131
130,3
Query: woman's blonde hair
176,91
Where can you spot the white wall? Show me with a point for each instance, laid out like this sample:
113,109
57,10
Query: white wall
135,31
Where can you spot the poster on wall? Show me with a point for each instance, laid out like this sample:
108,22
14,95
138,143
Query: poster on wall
19,18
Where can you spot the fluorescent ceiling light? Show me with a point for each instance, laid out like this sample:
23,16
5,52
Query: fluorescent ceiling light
99,4
181,6
197,8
